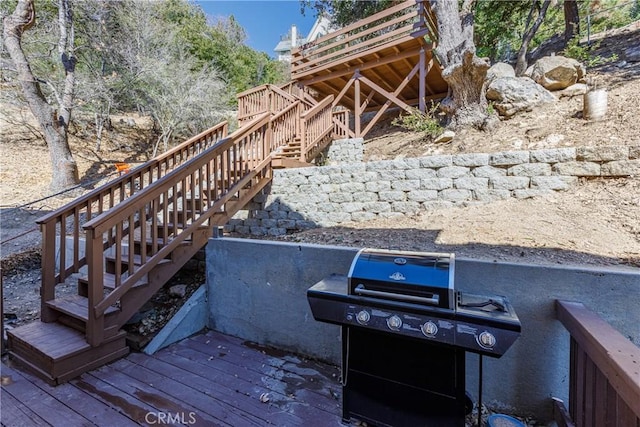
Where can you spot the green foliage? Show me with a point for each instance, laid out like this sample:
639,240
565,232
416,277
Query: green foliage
499,25
491,109
582,53
345,12
613,14
417,121
163,58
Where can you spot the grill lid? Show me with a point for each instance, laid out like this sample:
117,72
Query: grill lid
419,277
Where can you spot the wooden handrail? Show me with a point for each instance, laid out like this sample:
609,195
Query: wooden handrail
220,128
101,222
265,98
613,355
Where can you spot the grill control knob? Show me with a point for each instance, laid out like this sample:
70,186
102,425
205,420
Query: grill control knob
486,340
363,317
429,329
394,323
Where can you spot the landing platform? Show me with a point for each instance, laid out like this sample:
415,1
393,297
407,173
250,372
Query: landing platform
209,379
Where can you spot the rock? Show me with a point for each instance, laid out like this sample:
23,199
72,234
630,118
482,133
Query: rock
514,94
557,72
574,90
446,136
528,71
178,291
632,54
498,70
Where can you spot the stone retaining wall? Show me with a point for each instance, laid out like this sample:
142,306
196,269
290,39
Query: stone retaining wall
311,197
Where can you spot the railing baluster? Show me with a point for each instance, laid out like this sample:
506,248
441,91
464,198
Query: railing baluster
131,231
76,238
142,214
118,257
63,249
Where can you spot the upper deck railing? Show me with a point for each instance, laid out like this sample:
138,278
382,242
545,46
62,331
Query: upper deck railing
410,19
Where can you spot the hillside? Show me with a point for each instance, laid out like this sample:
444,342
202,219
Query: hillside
597,222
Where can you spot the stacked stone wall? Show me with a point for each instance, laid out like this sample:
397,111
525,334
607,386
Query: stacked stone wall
304,198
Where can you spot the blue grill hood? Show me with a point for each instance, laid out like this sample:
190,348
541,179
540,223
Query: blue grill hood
402,275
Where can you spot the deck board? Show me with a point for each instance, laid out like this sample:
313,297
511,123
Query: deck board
199,377
18,413
216,378
81,402
44,405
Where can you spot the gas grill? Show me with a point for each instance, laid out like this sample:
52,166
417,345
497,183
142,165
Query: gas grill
405,331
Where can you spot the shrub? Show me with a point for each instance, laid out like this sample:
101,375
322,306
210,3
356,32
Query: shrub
418,121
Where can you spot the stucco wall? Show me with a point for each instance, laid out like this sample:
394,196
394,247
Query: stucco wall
257,291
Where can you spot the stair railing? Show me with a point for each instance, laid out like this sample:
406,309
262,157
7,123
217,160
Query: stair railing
316,125
285,125
374,32
60,260
341,128
262,99
214,177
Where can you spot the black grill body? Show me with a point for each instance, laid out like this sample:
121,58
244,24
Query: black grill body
405,331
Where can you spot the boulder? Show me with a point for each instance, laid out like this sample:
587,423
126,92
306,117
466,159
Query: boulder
499,69
557,72
446,136
574,90
513,94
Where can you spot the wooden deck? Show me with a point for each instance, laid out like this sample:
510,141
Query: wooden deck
373,63
206,380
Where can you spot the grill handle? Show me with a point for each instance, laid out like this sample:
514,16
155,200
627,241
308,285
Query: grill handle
361,290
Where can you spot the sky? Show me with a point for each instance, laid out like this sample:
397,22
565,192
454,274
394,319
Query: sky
264,21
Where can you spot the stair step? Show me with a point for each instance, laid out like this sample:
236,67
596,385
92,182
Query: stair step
109,281
110,261
75,306
57,353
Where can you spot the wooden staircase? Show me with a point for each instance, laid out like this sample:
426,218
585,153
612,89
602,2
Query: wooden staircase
123,241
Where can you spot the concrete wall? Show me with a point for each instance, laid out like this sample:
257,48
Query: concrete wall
304,198
257,291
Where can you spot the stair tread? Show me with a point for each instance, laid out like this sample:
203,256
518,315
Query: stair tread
109,281
137,259
75,306
52,339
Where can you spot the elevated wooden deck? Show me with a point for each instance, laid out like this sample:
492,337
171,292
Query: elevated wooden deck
369,65
209,379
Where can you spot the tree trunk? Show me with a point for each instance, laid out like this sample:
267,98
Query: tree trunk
521,64
466,103
54,127
571,20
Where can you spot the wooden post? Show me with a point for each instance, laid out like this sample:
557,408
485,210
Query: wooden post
423,80
358,112
48,264
95,260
